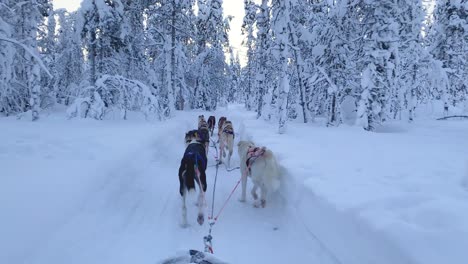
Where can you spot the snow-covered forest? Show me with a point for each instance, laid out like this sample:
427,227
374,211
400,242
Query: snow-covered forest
376,60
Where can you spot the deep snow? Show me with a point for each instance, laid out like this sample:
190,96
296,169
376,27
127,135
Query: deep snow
83,191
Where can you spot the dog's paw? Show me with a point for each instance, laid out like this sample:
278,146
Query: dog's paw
200,219
261,203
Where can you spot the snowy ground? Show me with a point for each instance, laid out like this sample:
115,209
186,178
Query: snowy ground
408,183
83,191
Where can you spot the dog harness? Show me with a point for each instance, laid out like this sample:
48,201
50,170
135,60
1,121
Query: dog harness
196,157
253,153
228,130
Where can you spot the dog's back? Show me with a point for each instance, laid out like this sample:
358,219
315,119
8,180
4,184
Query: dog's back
227,127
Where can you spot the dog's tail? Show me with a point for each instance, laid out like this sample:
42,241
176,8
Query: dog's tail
189,173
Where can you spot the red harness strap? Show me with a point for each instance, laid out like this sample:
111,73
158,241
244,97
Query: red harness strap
252,154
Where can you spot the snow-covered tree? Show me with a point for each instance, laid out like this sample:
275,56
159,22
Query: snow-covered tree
47,45
297,35
234,75
379,75
280,22
10,100
212,41
449,45
100,22
20,23
248,28
133,33
412,60
263,25
69,58
171,33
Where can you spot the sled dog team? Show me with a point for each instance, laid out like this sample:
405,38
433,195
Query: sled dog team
258,163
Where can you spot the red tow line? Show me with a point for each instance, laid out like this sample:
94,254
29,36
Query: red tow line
253,154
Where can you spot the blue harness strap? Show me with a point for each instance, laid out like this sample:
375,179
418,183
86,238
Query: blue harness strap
195,157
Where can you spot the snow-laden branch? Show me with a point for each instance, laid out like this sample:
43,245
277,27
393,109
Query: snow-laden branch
332,84
31,52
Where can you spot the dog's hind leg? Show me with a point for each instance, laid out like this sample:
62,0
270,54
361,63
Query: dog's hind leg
201,217
263,196
184,209
254,192
221,151
262,201
244,186
229,157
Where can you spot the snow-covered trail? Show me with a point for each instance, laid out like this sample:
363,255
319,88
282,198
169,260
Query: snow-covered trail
134,216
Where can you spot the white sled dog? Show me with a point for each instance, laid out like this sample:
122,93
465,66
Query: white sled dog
226,142
260,164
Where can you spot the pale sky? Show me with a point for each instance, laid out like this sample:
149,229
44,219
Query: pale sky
231,7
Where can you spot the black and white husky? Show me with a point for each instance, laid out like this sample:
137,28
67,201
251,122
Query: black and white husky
193,169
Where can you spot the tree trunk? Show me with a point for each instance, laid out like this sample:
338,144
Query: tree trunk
262,23
176,90
299,69
332,110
